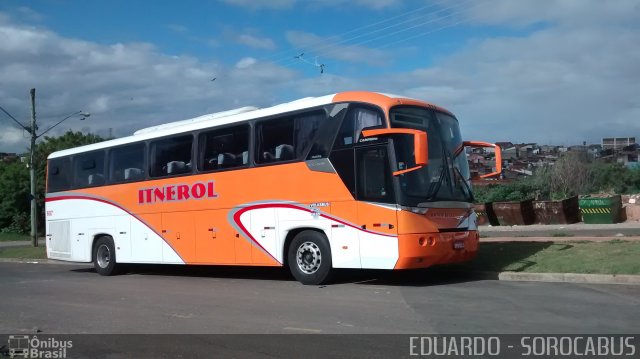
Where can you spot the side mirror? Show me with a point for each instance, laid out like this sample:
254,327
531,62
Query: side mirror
498,153
420,145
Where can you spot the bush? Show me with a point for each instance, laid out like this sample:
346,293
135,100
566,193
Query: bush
515,191
20,224
570,176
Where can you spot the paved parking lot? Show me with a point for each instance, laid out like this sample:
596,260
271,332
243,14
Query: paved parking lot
58,298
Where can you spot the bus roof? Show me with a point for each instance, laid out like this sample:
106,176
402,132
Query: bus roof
242,114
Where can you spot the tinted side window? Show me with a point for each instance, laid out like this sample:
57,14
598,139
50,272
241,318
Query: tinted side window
89,169
127,163
288,138
374,175
343,162
171,156
355,121
59,174
224,148
275,140
326,134
307,127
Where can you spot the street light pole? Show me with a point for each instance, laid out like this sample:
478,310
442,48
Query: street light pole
32,171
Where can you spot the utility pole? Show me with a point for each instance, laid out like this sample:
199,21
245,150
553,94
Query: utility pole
32,171
32,154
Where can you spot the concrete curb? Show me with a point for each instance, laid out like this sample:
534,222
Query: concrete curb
626,279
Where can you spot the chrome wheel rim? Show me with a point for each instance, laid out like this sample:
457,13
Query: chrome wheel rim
103,255
309,257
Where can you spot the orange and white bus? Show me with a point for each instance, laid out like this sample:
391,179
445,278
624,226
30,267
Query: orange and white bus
350,180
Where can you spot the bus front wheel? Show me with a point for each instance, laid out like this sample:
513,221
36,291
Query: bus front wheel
104,256
309,258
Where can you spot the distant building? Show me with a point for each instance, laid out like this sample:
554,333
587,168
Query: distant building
8,157
546,149
617,143
504,145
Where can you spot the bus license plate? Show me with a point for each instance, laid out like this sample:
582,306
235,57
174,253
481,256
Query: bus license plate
458,245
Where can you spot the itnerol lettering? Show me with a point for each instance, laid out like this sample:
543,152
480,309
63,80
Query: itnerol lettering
177,192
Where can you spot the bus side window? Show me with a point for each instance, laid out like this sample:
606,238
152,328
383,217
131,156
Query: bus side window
275,140
171,156
224,148
127,163
307,128
59,174
323,138
356,120
89,169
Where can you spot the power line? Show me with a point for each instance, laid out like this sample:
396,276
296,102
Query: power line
14,119
424,34
338,36
334,50
328,46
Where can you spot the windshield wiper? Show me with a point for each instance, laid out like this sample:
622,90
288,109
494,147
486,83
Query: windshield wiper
464,182
434,187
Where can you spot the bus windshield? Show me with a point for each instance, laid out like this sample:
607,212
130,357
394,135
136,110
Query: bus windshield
446,177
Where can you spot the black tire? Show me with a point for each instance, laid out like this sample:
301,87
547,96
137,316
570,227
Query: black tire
309,258
104,256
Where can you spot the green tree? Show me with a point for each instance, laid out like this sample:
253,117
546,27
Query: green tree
14,197
14,181
615,178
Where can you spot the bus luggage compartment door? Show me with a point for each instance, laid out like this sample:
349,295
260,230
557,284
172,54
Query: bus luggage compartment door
264,231
59,240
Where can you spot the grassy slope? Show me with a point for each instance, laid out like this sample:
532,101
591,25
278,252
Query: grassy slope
612,257
24,252
4,237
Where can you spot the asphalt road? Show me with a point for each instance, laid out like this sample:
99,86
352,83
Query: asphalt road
73,299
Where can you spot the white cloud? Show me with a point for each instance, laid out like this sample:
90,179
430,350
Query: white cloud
255,42
180,29
566,12
369,4
13,139
287,4
262,4
570,81
123,86
245,62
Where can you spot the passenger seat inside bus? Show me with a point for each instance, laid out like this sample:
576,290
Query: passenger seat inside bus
175,167
96,179
226,160
284,152
132,174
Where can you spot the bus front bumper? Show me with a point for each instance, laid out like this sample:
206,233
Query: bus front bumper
427,249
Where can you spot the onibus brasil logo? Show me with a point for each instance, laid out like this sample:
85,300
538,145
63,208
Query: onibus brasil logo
25,346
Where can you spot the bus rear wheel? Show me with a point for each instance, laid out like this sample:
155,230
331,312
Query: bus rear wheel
104,256
309,258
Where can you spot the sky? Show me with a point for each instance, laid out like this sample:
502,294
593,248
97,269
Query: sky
545,71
